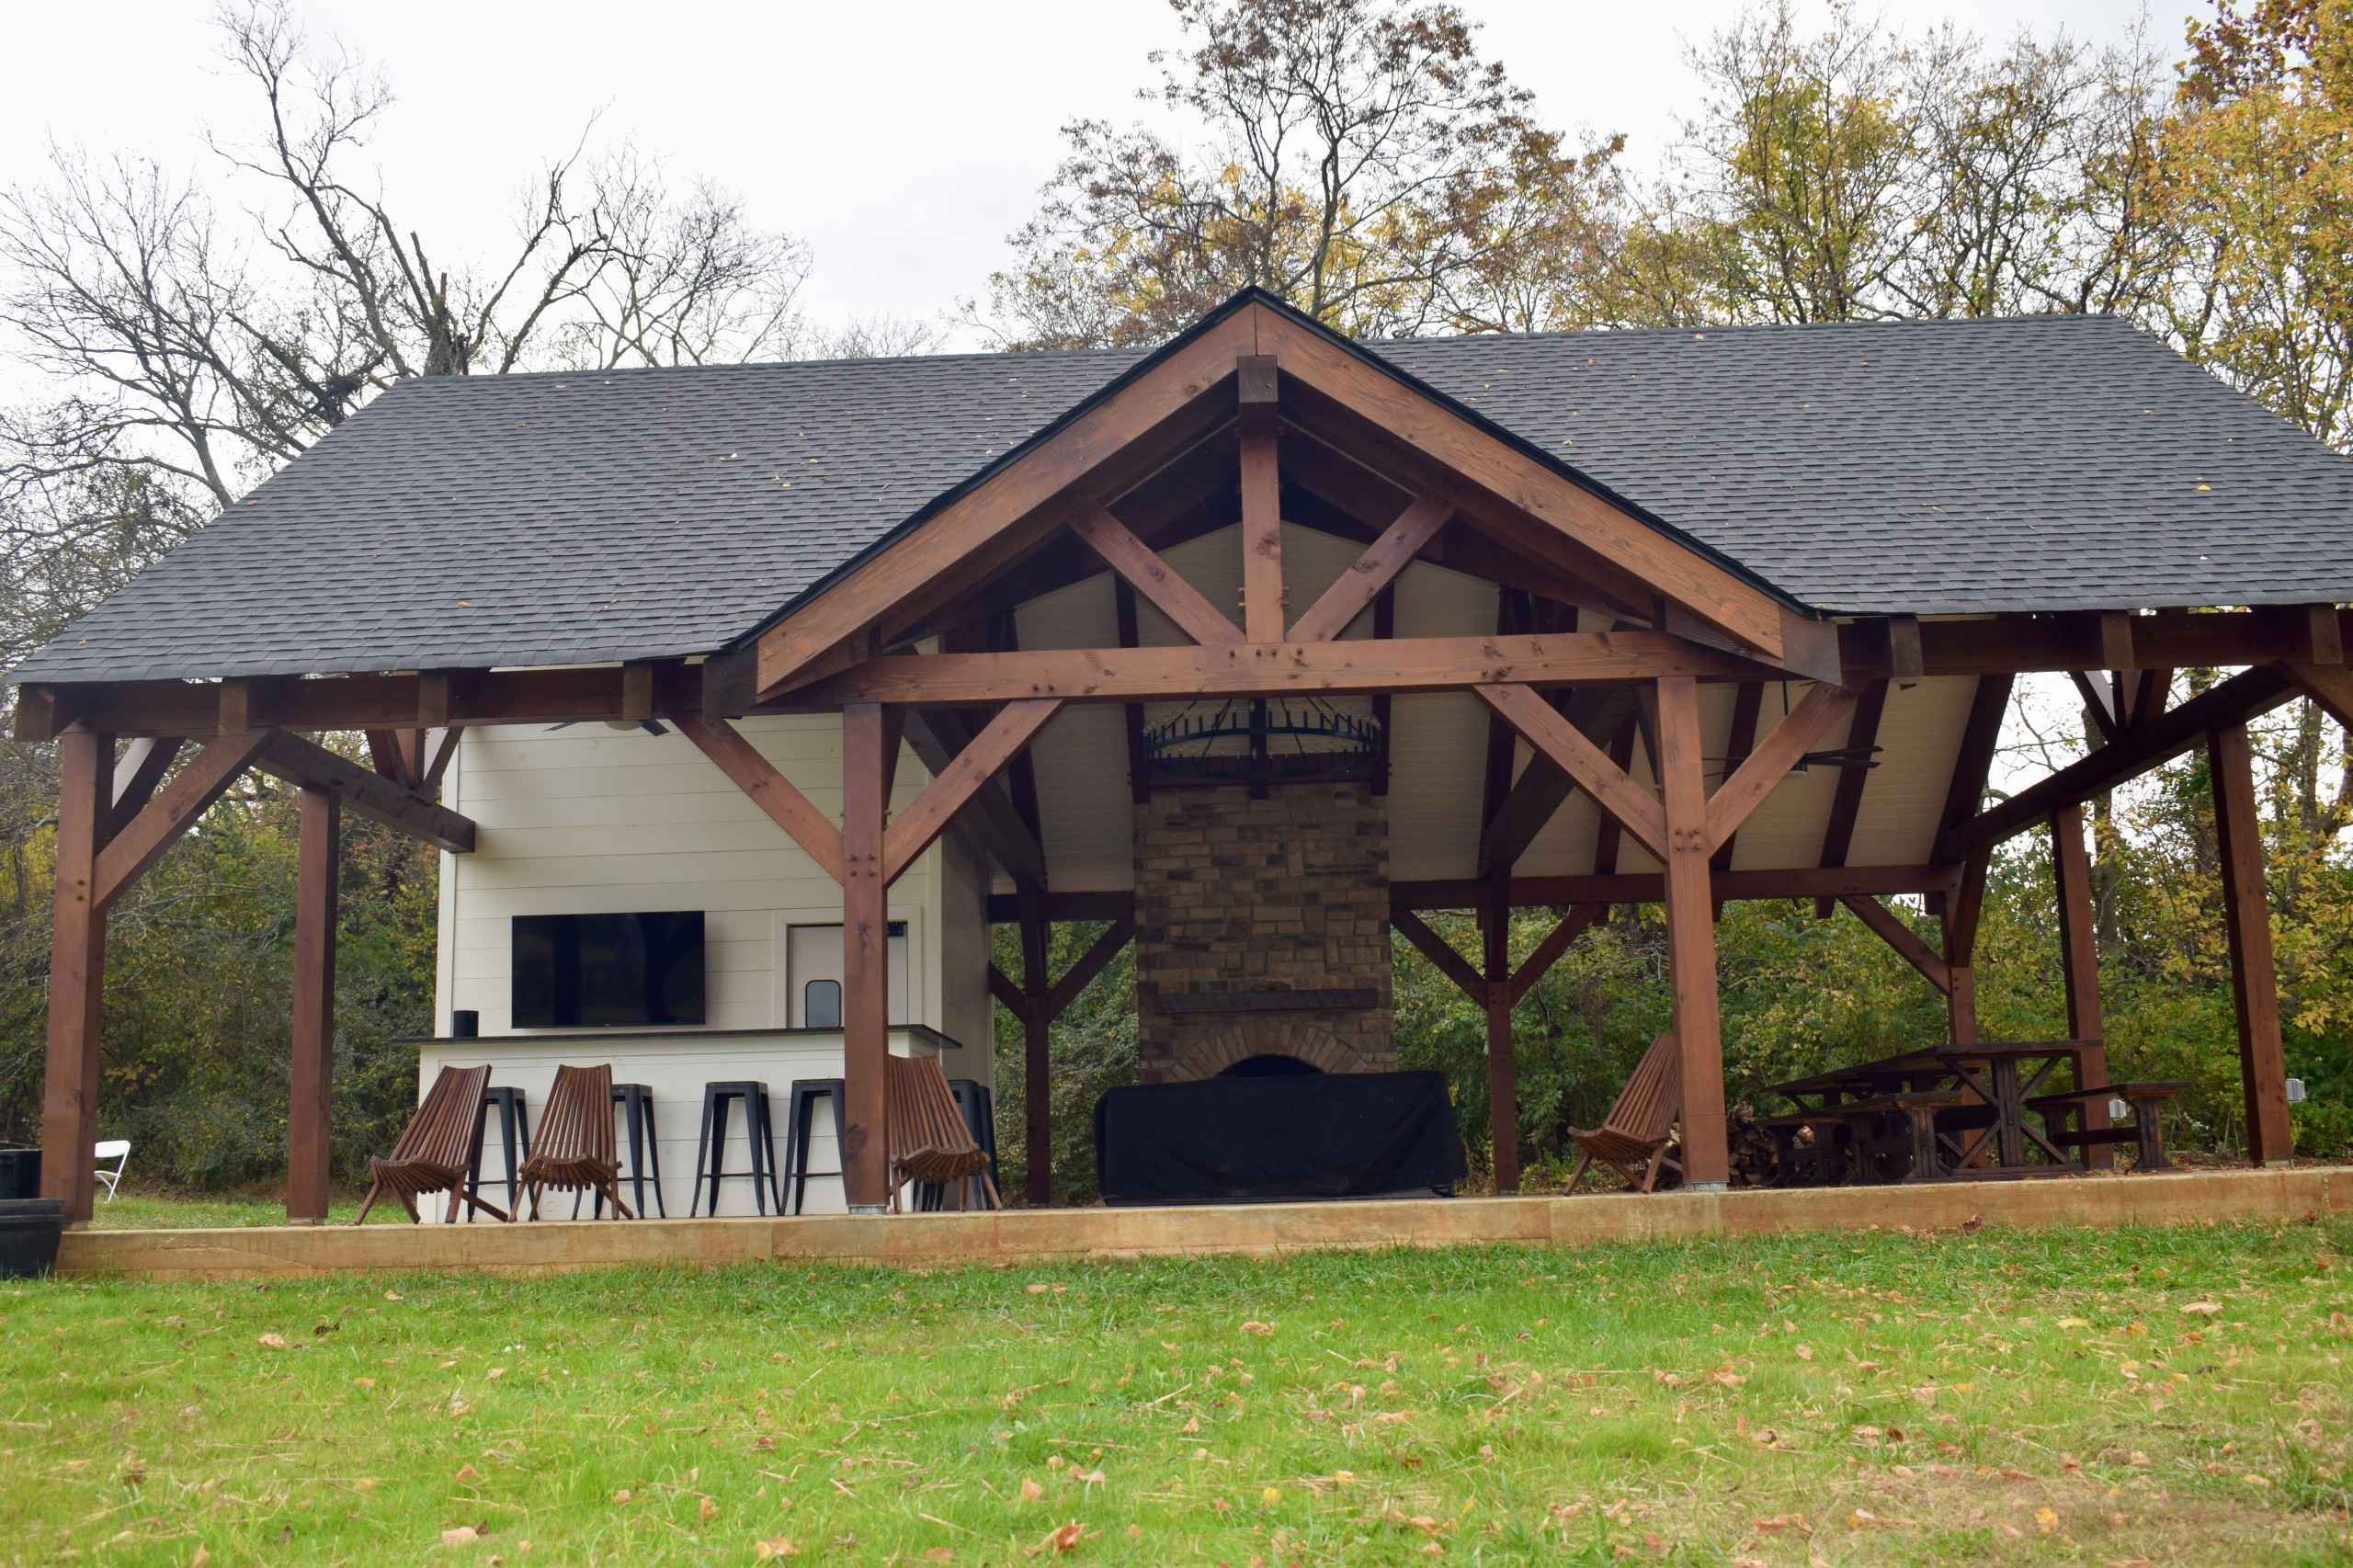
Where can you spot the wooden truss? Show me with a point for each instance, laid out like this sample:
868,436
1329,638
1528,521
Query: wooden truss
1610,622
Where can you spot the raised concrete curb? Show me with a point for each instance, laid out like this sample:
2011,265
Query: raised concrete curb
1019,1235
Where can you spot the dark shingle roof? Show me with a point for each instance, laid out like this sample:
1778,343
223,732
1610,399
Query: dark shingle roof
2038,464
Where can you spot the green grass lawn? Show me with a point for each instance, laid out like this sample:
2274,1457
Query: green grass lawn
2064,1397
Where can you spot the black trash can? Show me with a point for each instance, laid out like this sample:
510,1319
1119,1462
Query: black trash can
19,1172
29,1229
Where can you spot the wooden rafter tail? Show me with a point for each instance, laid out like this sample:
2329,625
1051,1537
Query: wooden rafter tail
913,831
1137,565
769,790
1632,807
1374,571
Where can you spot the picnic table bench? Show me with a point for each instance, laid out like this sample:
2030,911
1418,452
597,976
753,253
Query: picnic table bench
1945,1112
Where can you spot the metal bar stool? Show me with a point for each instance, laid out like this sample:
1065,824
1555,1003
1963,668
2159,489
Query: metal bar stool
507,1100
711,1152
800,1109
636,1102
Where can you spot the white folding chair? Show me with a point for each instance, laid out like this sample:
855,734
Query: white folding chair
118,1151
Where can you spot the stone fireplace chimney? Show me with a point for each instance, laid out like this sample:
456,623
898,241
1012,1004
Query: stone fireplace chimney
1262,929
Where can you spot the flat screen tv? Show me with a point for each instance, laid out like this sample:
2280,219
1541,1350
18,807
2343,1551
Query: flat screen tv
607,971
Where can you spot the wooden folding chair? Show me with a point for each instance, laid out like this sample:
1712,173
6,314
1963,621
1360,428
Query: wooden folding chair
928,1139
1632,1138
434,1154
575,1151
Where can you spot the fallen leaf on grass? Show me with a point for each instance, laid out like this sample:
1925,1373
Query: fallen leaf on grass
1036,1289
467,1475
495,1372
274,1341
2045,1520
938,1554
1031,1491
1063,1540
709,1510
1805,1352
2074,1322
464,1535
1782,1522
621,1497
2202,1309
775,1546
1860,1520
1653,1544
1730,1380
201,1559
363,1383
1258,1328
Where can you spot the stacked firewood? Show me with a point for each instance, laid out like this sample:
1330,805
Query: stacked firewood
1754,1157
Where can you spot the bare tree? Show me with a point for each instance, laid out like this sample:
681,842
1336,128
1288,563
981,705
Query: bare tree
208,352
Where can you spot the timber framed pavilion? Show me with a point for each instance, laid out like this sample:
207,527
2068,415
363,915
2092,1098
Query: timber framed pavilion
1608,618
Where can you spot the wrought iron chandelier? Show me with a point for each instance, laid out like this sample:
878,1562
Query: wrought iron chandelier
1260,742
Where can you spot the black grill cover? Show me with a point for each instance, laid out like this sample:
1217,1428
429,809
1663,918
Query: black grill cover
1227,1140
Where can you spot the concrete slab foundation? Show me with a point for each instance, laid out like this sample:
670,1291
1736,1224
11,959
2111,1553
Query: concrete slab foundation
1068,1234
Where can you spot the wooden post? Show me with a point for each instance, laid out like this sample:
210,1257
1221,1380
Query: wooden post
2247,911
1960,948
1263,614
2079,964
77,957
317,874
1503,1090
1037,1058
1692,935
866,959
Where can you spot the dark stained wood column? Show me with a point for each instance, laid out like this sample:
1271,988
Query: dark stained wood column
1264,615
1691,934
317,876
866,959
2079,965
1037,1056
2247,911
77,955
1503,1088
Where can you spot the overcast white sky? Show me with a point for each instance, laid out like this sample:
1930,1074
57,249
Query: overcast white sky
905,139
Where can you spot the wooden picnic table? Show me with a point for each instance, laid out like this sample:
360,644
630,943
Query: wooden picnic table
1940,1095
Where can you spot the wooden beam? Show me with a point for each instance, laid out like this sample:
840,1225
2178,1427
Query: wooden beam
1006,735
1770,763
1092,963
1691,931
390,755
2324,634
1627,803
373,795
2100,693
1371,572
206,777
1262,516
1650,887
1740,741
2244,696
969,537
318,876
2326,684
2247,914
866,963
1502,1070
440,750
1277,669
1004,909
1963,909
77,959
137,777
1005,990
1847,801
1901,937
1124,612
1567,929
937,738
1385,629
769,790
1441,953
2079,967
1036,1050
1137,565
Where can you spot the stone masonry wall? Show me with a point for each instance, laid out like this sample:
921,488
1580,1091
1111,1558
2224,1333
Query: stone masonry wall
1287,893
